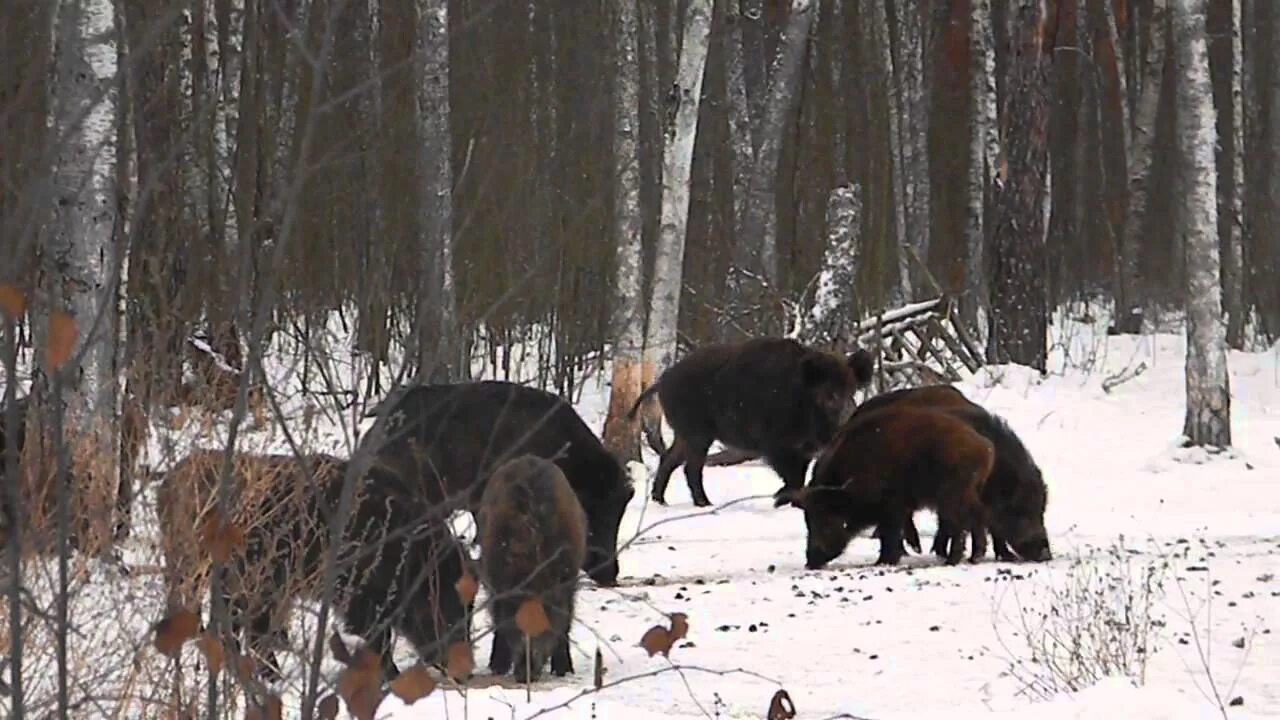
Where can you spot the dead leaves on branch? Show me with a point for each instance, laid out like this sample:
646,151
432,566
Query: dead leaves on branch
658,639
63,329
174,631
413,684
532,618
221,537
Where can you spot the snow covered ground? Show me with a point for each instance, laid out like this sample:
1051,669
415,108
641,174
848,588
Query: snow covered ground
1147,537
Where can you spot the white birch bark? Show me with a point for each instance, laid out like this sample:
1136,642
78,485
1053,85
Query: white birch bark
677,160
439,357
985,140
627,319
79,252
1128,317
882,33
1208,417
833,299
760,226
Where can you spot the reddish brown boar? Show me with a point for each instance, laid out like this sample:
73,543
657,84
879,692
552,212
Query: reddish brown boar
886,465
533,540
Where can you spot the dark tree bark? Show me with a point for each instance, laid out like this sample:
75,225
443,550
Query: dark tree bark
1019,313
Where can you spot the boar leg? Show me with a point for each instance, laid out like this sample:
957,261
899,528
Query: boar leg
695,458
671,459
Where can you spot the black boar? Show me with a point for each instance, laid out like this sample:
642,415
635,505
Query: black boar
769,396
884,466
398,565
533,542
452,436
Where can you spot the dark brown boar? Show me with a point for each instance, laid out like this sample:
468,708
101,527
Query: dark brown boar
769,396
533,541
886,465
452,437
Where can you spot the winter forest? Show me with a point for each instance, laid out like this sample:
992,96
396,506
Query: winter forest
609,358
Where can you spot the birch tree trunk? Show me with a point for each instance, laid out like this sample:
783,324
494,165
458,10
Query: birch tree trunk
627,322
440,358
1208,418
1128,318
760,223
79,256
1233,154
677,160
983,153
913,111
1019,315
882,38
833,307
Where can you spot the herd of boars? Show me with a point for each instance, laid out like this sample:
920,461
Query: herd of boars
547,498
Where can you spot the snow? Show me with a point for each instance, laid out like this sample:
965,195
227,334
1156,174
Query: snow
924,640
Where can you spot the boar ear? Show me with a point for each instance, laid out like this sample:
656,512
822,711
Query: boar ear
863,367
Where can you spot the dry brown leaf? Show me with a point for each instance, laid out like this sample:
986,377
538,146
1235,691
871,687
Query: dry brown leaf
62,339
598,680
221,538
275,708
656,639
461,662
413,684
174,631
781,707
254,712
679,626
13,302
211,647
246,666
363,704
532,618
467,587
328,707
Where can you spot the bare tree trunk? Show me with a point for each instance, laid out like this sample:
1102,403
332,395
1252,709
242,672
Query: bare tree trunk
913,126
1265,248
439,358
760,224
829,319
1233,275
677,161
627,322
1115,141
1208,419
1128,317
742,159
882,37
983,154
1019,316
80,252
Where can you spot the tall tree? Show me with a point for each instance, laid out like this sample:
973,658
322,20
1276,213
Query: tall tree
627,322
760,223
882,35
1231,181
1128,312
79,252
1208,418
984,151
1019,315
677,161
441,351
908,43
